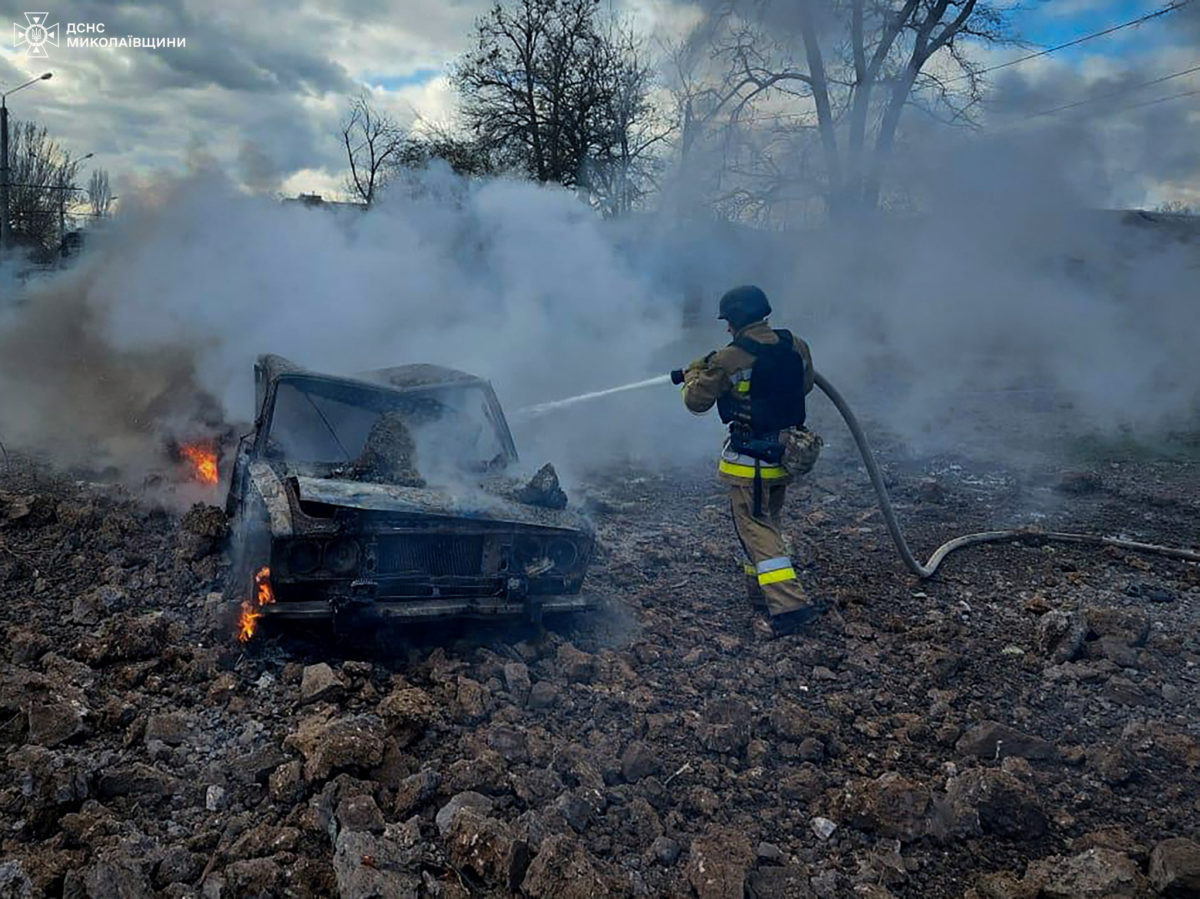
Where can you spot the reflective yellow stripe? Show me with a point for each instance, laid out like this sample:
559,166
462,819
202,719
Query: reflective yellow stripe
773,564
768,472
750,570
774,577
742,387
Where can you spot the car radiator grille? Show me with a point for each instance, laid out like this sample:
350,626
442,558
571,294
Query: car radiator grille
436,555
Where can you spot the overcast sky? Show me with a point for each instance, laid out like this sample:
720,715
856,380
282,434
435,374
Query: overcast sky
260,87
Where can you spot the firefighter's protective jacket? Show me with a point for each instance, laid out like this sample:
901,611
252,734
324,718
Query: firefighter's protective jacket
727,371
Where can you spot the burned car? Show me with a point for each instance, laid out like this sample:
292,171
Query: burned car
386,495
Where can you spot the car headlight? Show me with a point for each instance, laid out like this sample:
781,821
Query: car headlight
341,557
304,556
563,553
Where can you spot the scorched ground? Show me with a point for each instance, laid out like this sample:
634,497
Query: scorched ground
1024,725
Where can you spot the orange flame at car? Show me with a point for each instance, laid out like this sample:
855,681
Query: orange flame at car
203,459
252,608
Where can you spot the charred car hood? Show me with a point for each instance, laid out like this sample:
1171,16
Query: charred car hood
432,502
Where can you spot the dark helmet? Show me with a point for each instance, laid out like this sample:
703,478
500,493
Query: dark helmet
744,305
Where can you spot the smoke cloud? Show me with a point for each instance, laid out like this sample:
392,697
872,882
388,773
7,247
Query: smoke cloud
1003,279
160,324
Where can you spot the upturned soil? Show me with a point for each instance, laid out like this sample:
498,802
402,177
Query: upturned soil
1025,724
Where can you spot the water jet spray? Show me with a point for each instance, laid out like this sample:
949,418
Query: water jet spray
929,569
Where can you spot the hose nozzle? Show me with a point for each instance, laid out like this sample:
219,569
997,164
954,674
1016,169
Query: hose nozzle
677,376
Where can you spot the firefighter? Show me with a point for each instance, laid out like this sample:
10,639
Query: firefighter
758,383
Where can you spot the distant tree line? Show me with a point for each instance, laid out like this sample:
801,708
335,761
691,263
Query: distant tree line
764,109
43,196
553,90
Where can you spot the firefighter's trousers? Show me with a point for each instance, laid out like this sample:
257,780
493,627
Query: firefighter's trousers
760,536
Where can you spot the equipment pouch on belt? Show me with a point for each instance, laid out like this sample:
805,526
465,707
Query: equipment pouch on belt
801,448
767,449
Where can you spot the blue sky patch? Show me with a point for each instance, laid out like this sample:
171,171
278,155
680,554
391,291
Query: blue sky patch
408,79
1059,22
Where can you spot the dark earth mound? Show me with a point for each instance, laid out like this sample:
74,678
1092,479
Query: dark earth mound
1025,725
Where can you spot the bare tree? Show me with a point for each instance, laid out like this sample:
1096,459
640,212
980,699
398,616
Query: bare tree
1174,207
99,193
623,167
834,78
463,155
41,175
552,90
374,143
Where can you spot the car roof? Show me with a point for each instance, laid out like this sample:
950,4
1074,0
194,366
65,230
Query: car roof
398,377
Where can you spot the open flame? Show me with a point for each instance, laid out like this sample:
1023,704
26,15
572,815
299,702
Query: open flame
203,459
263,595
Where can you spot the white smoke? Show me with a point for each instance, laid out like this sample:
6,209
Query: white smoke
1001,281
516,283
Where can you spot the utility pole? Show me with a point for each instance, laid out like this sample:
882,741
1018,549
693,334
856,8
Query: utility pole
4,174
5,179
62,206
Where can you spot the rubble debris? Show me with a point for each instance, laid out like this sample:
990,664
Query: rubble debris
171,728
367,866
1093,874
352,742
408,711
389,454
544,490
14,882
488,848
638,761
903,754
1060,635
576,666
562,869
1150,592
823,827
52,723
1126,626
360,813
1175,867
789,881
992,801
415,791
467,799
203,527
318,682
993,740
34,510
890,805
718,863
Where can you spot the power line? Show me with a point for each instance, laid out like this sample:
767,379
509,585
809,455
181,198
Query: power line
1191,93
1018,123
1111,94
1178,4
1033,115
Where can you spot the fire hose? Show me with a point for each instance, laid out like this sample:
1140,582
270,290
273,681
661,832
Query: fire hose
1027,536
1021,535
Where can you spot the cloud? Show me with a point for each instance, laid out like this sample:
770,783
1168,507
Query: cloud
271,75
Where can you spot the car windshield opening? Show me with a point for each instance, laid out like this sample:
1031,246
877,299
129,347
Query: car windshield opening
400,436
